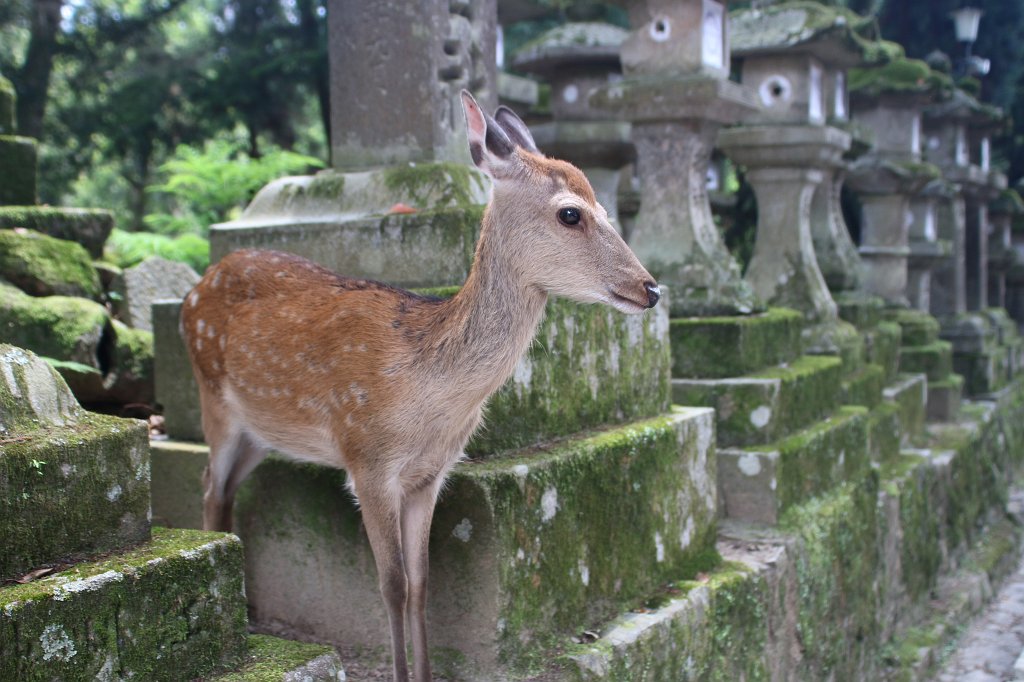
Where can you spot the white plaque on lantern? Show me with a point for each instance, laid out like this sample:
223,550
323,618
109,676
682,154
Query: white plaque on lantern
986,154
816,109
915,136
713,28
840,94
961,156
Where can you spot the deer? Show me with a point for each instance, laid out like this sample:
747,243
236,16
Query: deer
387,384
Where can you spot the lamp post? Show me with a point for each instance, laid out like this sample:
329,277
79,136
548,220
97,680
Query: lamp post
966,20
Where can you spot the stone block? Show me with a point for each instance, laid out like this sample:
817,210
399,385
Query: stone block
171,609
176,389
71,482
589,366
934,360
910,394
272,658
519,545
768,405
154,279
177,490
884,432
718,347
759,483
944,398
90,227
862,311
18,169
883,347
984,371
864,386
40,265
919,328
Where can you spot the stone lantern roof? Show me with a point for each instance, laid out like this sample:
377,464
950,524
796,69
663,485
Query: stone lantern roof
961,106
902,78
584,44
1009,201
835,35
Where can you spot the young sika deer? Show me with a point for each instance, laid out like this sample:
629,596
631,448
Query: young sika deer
387,384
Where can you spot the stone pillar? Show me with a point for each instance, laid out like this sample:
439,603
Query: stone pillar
927,251
576,59
677,96
784,166
396,71
1002,256
948,293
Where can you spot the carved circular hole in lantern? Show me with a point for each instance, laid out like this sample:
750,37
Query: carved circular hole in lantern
775,90
661,29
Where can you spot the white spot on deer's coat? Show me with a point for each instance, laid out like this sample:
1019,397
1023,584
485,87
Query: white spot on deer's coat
750,465
199,344
210,333
659,548
200,325
463,531
56,644
761,416
549,504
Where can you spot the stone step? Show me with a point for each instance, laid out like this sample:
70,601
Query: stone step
720,347
758,483
519,544
944,398
172,608
863,386
71,482
910,393
769,404
589,366
863,312
844,585
918,327
935,360
284,660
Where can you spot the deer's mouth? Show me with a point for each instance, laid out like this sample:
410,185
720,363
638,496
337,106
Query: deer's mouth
626,304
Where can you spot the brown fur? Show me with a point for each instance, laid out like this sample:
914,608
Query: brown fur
386,384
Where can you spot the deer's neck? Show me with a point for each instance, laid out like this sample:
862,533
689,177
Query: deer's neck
491,321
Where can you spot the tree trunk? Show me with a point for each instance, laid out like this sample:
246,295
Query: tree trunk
32,81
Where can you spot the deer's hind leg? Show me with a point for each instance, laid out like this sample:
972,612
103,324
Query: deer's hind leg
233,456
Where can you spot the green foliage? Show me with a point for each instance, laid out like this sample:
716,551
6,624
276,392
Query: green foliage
210,185
126,249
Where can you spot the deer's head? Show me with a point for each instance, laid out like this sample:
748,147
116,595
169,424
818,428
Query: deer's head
547,221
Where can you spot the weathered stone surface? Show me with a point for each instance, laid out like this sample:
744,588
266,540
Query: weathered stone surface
759,483
151,280
177,496
919,328
176,388
719,347
171,609
8,122
863,386
910,394
944,398
90,227
18,168
80,488
419,56
935,360
518,544
767,405
32,394
43,266
271,659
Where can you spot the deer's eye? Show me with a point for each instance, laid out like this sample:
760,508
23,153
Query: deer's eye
569,216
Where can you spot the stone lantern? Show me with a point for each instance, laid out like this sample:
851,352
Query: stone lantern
927,250
889,101
790,53
1001,254
677,95
576,59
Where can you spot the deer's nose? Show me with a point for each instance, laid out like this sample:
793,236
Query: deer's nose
653,294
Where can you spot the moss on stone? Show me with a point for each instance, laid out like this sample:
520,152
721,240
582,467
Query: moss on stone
442,184
174,608
919,328
714,347
863,312
899,77
934,359
8,123
884,432
59,327
43,266
767,405
18,169
864,387
268,659
90,227
73,489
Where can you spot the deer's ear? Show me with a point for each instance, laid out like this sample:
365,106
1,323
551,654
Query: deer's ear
488,144
514,127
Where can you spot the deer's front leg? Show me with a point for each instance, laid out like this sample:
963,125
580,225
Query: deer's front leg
381,516
417,514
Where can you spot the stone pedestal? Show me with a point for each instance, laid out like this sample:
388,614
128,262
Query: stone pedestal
783,164
838,259
675,123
